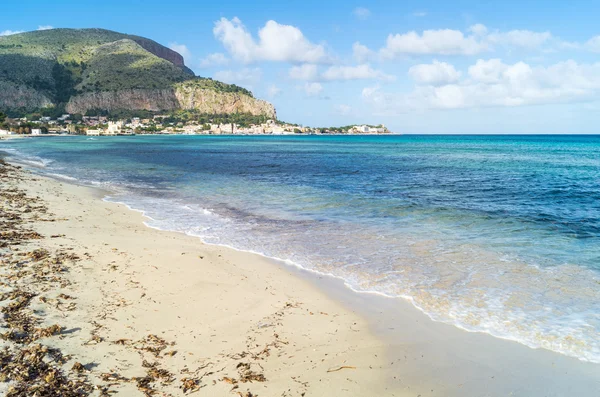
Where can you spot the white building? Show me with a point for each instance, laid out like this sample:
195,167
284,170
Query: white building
92,132
228,128
36,131
114,128
4,132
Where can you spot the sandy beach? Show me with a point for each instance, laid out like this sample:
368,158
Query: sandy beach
123,308
147,312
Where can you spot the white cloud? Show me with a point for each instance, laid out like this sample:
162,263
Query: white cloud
361,13
478,39
313,89
443,42
182,50
489,71
276,42
436,73
45,27
493,83
358,72
361,52
216,59
304,72
10,32
273,91
478,29
519,38
247,77
343,109
593,44
419,14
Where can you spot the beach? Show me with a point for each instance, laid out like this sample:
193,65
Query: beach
136,310
138,302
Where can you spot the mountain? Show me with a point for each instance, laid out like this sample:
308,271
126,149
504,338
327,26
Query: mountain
79,70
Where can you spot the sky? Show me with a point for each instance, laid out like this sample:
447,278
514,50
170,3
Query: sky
416,66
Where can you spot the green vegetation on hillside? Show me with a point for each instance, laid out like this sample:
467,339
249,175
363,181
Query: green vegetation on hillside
208,83
61,63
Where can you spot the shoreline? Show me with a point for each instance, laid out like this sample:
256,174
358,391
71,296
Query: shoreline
416,354
231,321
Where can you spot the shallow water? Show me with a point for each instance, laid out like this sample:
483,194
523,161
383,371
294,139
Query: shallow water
499,234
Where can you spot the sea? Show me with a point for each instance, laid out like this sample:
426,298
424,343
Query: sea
493,234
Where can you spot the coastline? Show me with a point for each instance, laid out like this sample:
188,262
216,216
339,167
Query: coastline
223,321
391,347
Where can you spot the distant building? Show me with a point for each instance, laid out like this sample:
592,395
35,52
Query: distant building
36,131
114,128
92,132
228,128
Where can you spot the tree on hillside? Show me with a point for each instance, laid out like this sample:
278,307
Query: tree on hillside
2,117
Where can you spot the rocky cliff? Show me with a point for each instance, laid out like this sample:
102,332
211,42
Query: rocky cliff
181,97
214,102
20,96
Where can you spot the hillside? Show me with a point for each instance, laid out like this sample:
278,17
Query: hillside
94,69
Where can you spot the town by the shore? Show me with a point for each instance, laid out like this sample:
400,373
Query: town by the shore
68,124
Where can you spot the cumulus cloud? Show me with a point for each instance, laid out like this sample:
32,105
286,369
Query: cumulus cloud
216,59
476,40
10,32
478,29
593,44
361,13
247,77
182,50
443,42
304,72
313,89
45,27
494,83
310,72
519,38
361,52
436,73
276,42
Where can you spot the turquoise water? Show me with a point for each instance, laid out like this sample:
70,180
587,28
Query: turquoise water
497,234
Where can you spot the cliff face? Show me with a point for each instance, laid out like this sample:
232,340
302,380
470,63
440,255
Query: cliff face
213,102
18,96
203,100
155,100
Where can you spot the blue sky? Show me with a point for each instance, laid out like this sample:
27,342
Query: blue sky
417,66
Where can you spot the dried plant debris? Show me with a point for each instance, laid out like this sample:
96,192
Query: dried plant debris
30,368
152,344
36,371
